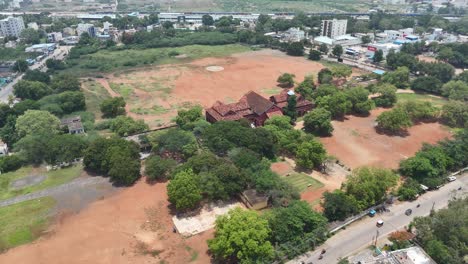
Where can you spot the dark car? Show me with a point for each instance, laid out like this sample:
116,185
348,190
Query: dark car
408,212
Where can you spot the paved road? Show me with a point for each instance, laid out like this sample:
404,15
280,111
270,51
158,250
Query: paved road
58,53
360,234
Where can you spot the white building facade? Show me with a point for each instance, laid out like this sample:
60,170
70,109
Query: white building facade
334,28
11,26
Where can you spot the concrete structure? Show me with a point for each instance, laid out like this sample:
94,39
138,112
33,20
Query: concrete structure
333,28
412,255
385,47
254,200
45,48
86,28
68,31
54,37
196,18
33,25
294,35
73,124
3,148
11,26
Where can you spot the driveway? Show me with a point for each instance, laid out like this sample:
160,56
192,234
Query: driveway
361,234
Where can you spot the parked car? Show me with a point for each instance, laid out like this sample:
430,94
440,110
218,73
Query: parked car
408,212
380,222
451,178
372,213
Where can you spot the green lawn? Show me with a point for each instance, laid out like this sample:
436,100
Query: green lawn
23,222
302,181
94,94
436,101
108,61
54,178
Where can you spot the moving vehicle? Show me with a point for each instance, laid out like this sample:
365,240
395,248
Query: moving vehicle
380,222
451,178
408,212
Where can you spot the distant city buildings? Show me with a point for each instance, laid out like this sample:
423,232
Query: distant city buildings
11,27
334,28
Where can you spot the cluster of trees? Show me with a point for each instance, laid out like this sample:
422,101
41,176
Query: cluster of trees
247,237
365,187
405,114
115,157
430,165
442,234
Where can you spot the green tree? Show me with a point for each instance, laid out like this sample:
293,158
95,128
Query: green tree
65,82
124,169
176,143
394,120
419,110
310,154
359,98
323,48
20,66
399,77
64,148
409,190
295,49
455,114
183,190
186,119
315,55
113,107
378,56
31,90
157,168
286,80
366,39
456,90
290,109
341,71
338,104
36,75
337,205
325,76
30,36
318,121
32,148
386,95
369,185
306,87
428,84
337,50
35,122
207,20
241,236
124,126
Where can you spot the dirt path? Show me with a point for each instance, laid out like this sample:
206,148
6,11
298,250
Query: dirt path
133,226
113,93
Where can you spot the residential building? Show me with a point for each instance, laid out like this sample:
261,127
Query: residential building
73,124
54,37
255,108
11,26
412,255
334,27
68,31
86,28
294,35
44,48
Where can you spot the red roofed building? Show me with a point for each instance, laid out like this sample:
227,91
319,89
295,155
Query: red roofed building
254,108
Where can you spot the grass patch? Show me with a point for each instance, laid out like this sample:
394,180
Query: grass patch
436,101
94,95
53,178
108,61
271,91
23,222
155,110
125,90
303,182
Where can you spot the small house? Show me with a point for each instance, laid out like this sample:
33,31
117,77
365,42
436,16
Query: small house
254,200
73,124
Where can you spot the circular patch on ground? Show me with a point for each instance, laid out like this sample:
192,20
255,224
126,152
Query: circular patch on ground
27,181
214,68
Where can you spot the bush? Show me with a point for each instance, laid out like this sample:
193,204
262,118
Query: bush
315,55
394,120
157,168
10,163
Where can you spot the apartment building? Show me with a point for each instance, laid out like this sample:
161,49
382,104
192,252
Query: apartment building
334,28
11,26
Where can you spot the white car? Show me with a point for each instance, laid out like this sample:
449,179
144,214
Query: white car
380,223
451,178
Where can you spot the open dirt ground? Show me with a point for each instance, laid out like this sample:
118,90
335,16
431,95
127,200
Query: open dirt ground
132,226
355,141
155,94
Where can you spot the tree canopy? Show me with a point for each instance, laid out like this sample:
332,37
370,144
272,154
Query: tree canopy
183,190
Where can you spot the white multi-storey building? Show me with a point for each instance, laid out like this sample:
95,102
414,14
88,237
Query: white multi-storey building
334,28
11,26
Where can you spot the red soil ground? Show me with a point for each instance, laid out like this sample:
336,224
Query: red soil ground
356,143
191,82
125,228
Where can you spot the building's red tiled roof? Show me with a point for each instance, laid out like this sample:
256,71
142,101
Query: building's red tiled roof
257,103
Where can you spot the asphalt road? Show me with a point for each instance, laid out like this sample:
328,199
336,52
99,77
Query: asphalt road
361,233
58,53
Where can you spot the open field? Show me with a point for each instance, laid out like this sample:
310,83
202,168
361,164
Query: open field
24,222
356,143
94,94
132,226
303,182
52,178
128,60
155,94
435,100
